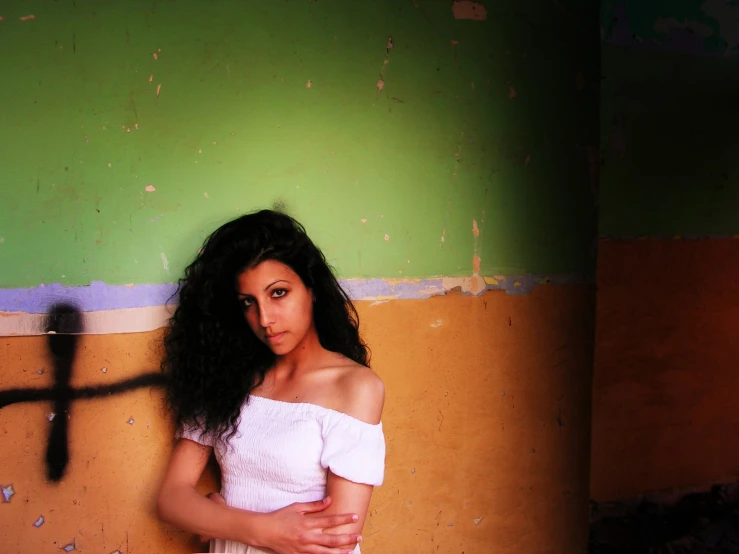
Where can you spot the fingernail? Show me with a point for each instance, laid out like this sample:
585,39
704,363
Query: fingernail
359,538
355,517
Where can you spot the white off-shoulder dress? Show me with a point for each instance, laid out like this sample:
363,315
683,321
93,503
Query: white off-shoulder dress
282,452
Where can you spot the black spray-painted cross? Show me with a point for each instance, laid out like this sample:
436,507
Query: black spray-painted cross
64,323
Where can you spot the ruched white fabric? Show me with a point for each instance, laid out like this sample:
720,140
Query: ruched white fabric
282,452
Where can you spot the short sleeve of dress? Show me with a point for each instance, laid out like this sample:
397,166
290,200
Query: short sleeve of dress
353,449
194,432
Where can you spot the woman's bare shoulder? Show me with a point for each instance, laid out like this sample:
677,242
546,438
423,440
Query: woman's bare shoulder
361,393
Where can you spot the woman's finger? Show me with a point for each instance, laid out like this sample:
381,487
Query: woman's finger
216,497
324,550
312,507
339,541
326,522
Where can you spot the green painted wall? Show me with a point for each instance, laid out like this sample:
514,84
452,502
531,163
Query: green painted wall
669,118
235,127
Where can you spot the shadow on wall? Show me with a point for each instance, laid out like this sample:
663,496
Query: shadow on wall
64,326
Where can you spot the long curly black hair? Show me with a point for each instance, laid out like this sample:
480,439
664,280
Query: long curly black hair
212,359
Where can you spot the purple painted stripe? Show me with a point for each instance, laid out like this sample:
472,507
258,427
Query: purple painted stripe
524,284
98,296
91,298
401,290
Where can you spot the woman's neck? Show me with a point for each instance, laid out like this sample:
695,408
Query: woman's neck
301,358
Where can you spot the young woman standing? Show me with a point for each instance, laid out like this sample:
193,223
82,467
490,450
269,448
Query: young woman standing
266,367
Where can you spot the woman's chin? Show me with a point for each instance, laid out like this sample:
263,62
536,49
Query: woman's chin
279,349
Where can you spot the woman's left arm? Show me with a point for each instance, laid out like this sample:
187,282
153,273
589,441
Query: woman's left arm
364,398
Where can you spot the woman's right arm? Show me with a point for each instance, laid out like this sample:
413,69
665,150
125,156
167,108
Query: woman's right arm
287,531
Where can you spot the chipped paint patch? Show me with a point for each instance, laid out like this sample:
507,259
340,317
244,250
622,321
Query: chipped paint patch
70,547
165,262
466,9
8,493
149,188
39,522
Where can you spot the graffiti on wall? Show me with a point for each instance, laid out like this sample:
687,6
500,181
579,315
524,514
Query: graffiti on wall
64,326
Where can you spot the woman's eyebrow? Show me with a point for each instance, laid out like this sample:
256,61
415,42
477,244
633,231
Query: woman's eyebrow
278,281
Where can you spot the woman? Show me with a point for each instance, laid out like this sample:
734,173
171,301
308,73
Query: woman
266,367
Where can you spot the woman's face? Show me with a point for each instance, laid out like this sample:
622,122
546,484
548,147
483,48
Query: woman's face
277,305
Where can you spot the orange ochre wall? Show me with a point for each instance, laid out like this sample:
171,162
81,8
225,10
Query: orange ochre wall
665,383
486,418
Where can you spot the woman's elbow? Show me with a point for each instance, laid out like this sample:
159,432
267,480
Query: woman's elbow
164,506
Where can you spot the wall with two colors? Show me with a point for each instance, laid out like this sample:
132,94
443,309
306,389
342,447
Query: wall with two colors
665,366
417,143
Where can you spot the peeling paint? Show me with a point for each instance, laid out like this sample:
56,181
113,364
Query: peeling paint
679,33
149,188
466,9
8,493
70,547
39,522
28,18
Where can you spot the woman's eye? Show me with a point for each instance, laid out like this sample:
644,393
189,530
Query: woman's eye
279,293
247,302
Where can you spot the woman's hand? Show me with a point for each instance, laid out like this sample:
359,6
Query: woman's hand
290,531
